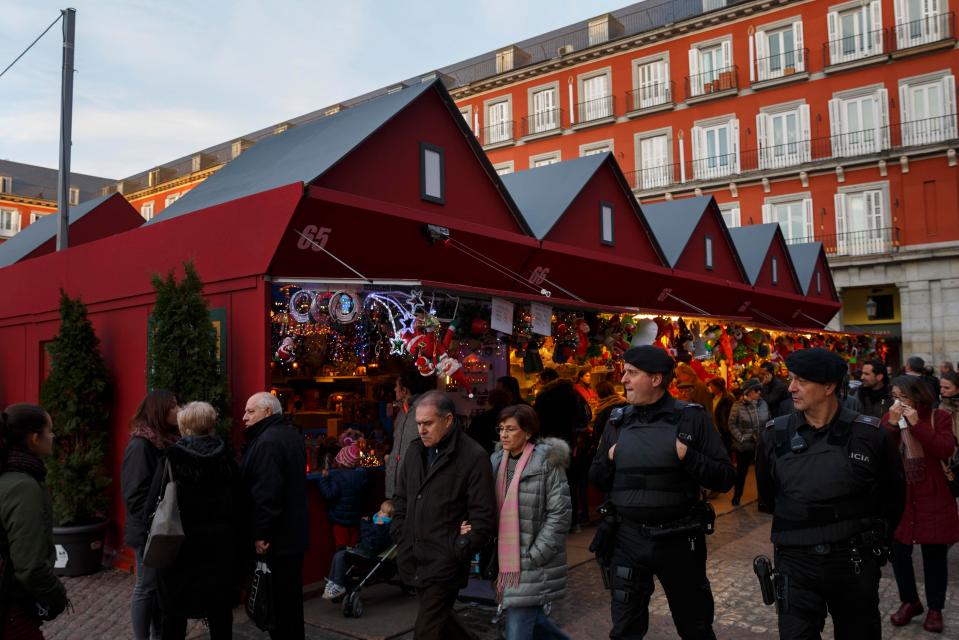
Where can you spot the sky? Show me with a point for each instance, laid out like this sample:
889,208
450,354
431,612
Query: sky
159,80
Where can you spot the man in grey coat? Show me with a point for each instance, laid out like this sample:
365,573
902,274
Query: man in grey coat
404,427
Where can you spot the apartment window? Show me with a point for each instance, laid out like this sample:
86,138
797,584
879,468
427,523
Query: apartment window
783,135
36,215
596,100
651,85
712,5
595,147
146,210
775,269
503,168
606,223
74,195
710,68
154,178
432,179
920,22
653,150
543,159
196,163
779,51
862,215
499,126
543,109
927,106
709,252
6,184
730,213
9,222
715,148
467,113
854,31
170,199
793,214
859,121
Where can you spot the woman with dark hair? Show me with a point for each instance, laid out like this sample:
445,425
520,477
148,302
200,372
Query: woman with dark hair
154,428
511,385
534,515
583,378
929,518
26,524
409,385
721,407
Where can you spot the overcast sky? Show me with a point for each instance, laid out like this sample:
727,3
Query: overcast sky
158,80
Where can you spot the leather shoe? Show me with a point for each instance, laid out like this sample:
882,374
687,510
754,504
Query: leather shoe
933,621
907,611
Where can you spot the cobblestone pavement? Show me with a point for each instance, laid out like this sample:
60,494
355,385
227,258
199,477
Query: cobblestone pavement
101,602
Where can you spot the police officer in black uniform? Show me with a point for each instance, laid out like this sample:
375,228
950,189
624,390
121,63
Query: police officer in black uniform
834,482
653,459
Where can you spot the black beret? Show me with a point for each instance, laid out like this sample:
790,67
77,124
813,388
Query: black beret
817,365
649,359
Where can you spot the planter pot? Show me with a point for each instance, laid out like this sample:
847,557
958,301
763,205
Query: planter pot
79,549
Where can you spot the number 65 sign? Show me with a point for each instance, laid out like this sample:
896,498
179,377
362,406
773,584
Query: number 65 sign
313,237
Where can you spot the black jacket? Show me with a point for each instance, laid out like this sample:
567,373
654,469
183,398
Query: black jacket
774,393
374,538
561,410
345,494
875,402
429,506
216,550
139,466
274,474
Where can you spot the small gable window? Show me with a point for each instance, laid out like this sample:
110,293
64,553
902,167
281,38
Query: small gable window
432,178
606,223
709,252
818,282
775,262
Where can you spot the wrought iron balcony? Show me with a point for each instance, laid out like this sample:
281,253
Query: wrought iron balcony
596,109
863,242
714,81
927,30
499,133
542,122
782,64
650,95
854,47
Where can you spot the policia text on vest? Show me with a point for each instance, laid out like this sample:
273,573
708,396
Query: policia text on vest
656,521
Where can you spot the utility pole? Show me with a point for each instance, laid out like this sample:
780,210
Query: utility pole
66,128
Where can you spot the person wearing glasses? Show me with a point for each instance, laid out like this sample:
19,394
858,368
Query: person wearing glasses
833,480
930,518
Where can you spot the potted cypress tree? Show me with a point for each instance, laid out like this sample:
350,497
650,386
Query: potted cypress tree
77,396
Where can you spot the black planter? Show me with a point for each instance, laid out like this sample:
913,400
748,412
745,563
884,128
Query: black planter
79,549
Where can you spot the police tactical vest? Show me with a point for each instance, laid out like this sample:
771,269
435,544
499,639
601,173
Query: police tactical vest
648,471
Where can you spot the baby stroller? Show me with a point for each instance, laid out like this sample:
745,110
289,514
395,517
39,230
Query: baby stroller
364,571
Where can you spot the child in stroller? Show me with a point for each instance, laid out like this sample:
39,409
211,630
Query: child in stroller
374,538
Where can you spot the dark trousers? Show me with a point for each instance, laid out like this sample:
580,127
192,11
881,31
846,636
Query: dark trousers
19,623
743,460
680,565
934,568
221,625
821,584
435,619
287,596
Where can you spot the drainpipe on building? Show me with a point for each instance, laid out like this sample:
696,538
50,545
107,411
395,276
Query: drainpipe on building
66,127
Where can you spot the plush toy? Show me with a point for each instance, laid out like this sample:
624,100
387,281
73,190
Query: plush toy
582,337
645,333
430,353
286,350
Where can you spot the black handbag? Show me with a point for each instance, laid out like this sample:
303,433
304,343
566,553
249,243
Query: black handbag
489,560
259,602
951,469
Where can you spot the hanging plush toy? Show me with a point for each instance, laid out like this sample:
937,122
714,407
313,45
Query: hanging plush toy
430,354
286,350
582,337
645,333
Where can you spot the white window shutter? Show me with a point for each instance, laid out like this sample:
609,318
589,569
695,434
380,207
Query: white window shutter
697,142
805,134
832,28
835,125
695,82
875,15
949,105
807,217
727,48
752,59
476,126
904,107
767,213
734,214
734,142
762,53
800,48
840,202
761,138
883,97
902,12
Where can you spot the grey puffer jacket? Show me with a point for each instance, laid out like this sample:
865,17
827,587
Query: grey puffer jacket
545,513
405,431
746,421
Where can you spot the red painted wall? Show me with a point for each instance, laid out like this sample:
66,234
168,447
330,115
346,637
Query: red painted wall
693,257
787,282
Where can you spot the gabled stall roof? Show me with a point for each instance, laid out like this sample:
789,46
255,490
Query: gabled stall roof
753,243
90,220
806,256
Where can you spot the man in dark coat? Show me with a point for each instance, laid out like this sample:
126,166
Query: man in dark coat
774,391
274,473
874,392
445,480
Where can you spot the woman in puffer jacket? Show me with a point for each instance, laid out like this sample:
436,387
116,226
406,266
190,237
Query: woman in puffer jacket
534,515
746,420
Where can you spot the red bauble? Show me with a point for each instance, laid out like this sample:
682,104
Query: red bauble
479,326
561,328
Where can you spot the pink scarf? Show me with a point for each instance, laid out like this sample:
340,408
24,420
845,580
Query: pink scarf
507,499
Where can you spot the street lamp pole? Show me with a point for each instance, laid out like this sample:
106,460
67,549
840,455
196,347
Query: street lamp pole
66,128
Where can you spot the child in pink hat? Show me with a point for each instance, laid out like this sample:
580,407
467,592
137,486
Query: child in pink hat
344,488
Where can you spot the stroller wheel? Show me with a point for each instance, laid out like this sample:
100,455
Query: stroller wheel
352,606
357,606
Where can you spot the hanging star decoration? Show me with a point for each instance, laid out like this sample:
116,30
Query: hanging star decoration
397,346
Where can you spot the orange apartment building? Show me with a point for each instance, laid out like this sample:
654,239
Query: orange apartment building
835,119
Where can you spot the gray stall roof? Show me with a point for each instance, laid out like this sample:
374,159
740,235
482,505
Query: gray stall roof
804,257
300,154
752,243
673,223
545,193
35,234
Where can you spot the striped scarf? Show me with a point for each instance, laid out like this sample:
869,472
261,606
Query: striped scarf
507,499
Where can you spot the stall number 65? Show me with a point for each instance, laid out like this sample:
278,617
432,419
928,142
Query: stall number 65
314,237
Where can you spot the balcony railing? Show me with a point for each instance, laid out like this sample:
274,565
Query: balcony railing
863,242
596,109
715,81
542,122
499,133
781,65
797,153
650,95
854,47
923,31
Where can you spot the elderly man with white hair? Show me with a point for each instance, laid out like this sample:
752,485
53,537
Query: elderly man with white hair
274,473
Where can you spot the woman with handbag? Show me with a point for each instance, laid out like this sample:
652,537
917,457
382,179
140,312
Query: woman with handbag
930,517
204,580
534,515
26,525
747,418
154,428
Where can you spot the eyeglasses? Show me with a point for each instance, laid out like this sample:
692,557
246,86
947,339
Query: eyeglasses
507,430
